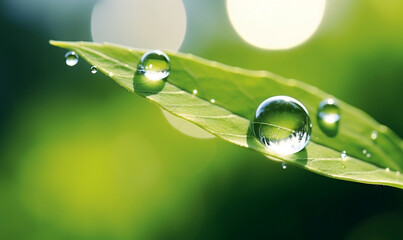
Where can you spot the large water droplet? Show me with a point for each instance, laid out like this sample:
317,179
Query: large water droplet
329,117
154,65
94,69
282,124
71,58
151,73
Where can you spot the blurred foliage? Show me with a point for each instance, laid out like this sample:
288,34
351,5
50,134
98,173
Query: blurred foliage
77,164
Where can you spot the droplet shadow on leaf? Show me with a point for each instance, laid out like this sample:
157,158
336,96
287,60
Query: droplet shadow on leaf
146,86
300,157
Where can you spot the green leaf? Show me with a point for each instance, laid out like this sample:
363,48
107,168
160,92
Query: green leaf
238,92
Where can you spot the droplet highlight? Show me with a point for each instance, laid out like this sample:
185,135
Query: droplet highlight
71,58
284,165
328,117
155,65
212,100
94,69
194,91
282,124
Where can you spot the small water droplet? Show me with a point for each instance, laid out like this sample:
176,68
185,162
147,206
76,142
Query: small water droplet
328,117
71,58
387,169
343,155
364,151
212,100
94,69
374,135
154,65
282,124
111,74
368,155
194,91
284,165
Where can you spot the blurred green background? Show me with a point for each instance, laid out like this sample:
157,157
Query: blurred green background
81,158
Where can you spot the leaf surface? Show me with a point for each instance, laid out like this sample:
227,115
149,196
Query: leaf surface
238,92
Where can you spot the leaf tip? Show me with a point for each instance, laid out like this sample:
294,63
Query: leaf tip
58,43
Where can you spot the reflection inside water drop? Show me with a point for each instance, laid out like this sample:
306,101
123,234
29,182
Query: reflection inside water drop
154,65
94,69
282,124
328,117
71,58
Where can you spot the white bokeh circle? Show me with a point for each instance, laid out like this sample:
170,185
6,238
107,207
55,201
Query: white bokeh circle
150,24
186,127
276,24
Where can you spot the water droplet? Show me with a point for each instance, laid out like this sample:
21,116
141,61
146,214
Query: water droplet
364,151
94,69
194,91
282,124
71,58
368,155
111,74
284,165
212,100
343,155
374,135
154,65
329,117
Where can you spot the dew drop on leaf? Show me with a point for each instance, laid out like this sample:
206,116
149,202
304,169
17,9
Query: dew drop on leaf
328,117
71,58
94,69
343,155
368,155
374,135
282,124
212,100
154,65
194,91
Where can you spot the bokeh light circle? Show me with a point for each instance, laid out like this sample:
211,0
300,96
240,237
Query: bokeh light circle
276,24
151,24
